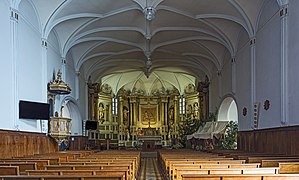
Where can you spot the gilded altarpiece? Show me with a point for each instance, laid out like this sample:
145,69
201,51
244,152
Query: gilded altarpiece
138,114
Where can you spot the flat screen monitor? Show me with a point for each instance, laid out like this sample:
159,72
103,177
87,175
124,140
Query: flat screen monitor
91,125
34,110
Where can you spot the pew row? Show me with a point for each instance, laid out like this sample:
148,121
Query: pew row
241,177
82,177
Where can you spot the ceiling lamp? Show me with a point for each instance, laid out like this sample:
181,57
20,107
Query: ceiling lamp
149,13
57,86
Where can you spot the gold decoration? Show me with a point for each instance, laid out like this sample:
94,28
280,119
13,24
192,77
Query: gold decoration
57,86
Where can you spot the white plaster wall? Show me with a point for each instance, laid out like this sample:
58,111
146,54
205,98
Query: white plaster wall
53,56
243,82
54,63
70,74
293,62
29,62
268,73
214,93
226,75
6,73
83,94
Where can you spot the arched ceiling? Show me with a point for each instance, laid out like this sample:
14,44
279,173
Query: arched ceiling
111,36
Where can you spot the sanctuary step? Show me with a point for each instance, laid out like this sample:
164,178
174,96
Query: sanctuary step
152,154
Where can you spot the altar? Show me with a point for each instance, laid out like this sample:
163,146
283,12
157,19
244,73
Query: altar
149,143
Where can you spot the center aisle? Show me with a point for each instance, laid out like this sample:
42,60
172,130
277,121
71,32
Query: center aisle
149,169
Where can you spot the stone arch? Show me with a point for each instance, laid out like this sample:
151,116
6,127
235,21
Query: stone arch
228,110
71,110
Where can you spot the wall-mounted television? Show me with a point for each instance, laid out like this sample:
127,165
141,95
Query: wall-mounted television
34,110
91,125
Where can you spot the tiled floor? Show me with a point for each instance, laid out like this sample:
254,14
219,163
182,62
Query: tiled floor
149,169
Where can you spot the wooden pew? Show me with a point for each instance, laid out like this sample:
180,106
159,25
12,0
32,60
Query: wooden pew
241,177
289,168
258,159
93,167
9,170
23,166
39,163
79,172
201,162
102,177
210,166
275,162
181,172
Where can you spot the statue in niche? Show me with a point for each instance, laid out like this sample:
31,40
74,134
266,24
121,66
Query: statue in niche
189,110
171,115
125,116
101,111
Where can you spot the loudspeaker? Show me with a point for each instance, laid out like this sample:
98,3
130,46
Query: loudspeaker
91,125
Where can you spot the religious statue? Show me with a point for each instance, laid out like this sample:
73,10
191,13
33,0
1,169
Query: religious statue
101,111
171,114
125,115
189,110
195,110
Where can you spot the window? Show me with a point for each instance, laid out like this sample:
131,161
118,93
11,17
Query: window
182,105
114,106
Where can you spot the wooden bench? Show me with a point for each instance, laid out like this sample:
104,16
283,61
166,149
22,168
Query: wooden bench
240,177
39,163
259,159
82,177
23,166
9,170
79,172
201,162
181,172
211,166
275,162
93,167
289,168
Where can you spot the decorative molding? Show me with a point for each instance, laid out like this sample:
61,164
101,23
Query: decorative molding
244,111
14,15
266,104
44,43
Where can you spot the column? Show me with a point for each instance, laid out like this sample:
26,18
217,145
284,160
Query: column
77,84
44,49
253,75
219,75
166,114
284,62
135,113
162,111
120,111
176,109
63,68
14,17
92,104
120,118
131,114
96,106
234,77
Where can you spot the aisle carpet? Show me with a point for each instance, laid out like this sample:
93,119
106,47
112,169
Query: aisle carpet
149,169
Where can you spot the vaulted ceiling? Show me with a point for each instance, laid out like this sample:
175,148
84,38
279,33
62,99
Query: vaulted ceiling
105,37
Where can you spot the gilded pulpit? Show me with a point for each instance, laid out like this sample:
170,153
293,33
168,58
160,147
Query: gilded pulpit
60,127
